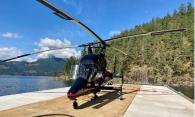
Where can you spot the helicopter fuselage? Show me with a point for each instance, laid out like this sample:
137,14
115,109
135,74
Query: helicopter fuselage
90,65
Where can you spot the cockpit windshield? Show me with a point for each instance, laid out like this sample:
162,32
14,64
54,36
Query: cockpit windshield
73,71
82,71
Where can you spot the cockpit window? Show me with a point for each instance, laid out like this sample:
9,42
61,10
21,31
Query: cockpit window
73,71
83,71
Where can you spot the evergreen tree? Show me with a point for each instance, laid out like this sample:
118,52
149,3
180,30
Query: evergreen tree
165,58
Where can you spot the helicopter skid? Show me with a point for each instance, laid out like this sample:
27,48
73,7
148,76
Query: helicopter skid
111,88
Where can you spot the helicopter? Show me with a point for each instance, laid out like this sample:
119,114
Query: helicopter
91,75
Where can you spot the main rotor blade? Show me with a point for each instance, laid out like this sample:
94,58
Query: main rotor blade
29,54
15,57
66,16
153,33
116,49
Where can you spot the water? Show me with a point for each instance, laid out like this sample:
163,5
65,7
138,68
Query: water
21,84
186,90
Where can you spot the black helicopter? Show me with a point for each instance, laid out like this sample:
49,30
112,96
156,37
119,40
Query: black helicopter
91,76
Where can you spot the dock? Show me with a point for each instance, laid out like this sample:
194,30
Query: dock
159,101
12,101
138,101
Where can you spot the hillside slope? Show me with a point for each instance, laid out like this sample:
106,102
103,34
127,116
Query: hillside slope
42,67
161,59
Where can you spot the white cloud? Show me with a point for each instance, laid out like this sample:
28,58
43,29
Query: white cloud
11,35
114,32
6,53
48,43
43,44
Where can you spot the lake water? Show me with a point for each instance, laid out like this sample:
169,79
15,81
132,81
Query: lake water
186,90
21,84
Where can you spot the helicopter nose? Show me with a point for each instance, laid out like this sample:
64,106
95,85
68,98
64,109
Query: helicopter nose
71,96
76,86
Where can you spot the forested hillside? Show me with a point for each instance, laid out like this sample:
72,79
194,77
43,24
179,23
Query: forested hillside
166,58
41,67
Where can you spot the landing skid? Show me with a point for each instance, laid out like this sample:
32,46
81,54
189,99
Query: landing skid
97,89
75,104
95,97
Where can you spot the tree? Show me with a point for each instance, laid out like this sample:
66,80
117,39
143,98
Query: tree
190,9
169,55
182,9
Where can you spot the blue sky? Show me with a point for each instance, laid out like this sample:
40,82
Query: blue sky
28,26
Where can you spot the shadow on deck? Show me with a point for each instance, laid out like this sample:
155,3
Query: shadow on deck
101,100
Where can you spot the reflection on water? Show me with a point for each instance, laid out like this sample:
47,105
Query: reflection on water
186,90
21,84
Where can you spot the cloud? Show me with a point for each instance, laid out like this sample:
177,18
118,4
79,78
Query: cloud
74,4
6,53
48,43
43,44
11,35
114,32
